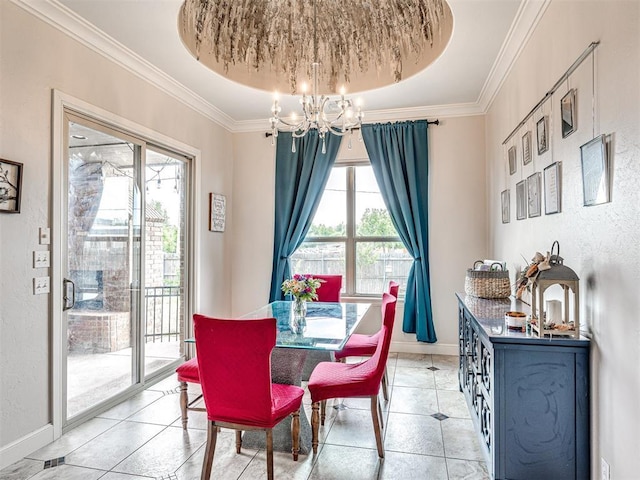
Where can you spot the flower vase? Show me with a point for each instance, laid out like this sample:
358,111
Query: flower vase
299,314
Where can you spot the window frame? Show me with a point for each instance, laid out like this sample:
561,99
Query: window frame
351,239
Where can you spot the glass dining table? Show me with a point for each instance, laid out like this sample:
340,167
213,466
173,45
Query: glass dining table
326,327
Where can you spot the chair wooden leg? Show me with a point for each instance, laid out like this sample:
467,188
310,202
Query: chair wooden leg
384,385
376,425
212,435
295,434
323,411
269,454
238,441
184,402
380,412
314,426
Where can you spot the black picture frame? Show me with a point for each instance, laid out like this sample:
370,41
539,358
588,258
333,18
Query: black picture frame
552,189
534,188
513,160
506,208
595,171
542,135
568,117
526,148
10,186
521,200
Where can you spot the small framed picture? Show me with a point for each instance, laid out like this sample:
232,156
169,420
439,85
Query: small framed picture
217,212
541,131
533,194
10,186
521,200
513,160
506,213
568,113
552,193
526,148
595,171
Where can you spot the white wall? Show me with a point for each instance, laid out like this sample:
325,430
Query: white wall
457,217
34,59
598,242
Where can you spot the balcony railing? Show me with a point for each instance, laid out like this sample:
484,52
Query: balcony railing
164,314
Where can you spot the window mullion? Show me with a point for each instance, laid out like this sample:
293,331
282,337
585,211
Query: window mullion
350,248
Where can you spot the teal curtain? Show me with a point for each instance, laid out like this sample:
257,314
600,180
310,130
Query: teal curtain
300,180
400,161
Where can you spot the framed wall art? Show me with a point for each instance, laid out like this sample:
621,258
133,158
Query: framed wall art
10,186
595,171
542,137
526,148
552,193
217,212
521,200
506,213
533,195
568,113
513,160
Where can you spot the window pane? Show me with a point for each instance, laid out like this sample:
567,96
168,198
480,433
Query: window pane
330,219
319,258
379,262
372,218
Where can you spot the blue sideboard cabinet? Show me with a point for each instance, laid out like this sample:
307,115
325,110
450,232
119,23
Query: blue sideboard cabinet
528,396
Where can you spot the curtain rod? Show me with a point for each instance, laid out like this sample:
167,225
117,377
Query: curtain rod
429,122
547,95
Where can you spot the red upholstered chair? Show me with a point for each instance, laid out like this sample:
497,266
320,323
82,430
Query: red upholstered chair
188,373
344,380
234,359
360,345
329,290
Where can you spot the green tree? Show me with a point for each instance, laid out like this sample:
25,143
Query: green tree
376,222
323,230
169,238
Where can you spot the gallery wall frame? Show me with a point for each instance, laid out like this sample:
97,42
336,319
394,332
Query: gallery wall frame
595,171
568,115
10,186
506,206
513,160
217,212
534,203
521,200
552,189
542,127
526,148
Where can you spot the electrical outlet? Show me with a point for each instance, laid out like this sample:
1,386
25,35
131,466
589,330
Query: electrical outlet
40,285
45,236
41,259
605,473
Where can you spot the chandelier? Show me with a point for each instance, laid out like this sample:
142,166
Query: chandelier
280,44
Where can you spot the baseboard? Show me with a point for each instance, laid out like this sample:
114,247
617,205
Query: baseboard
22,447
424,348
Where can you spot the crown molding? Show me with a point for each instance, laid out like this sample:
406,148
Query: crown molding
523,26
62,18
378,116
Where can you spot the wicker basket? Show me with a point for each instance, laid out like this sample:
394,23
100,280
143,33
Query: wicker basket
488,283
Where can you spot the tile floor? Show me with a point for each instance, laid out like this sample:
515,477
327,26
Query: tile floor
142,438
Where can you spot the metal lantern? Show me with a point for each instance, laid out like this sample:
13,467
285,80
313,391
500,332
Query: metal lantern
557,274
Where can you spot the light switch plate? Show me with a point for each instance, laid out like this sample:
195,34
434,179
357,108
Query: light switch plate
40,285
41,259
44,236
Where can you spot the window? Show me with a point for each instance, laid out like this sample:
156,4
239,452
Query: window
352,235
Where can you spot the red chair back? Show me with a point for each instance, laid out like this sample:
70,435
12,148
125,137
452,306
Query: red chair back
393,288
329,290
388,308
234,360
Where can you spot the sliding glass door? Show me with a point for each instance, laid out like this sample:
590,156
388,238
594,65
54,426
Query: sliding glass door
125,268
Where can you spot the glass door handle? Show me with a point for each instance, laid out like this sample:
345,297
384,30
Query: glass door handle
69,294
